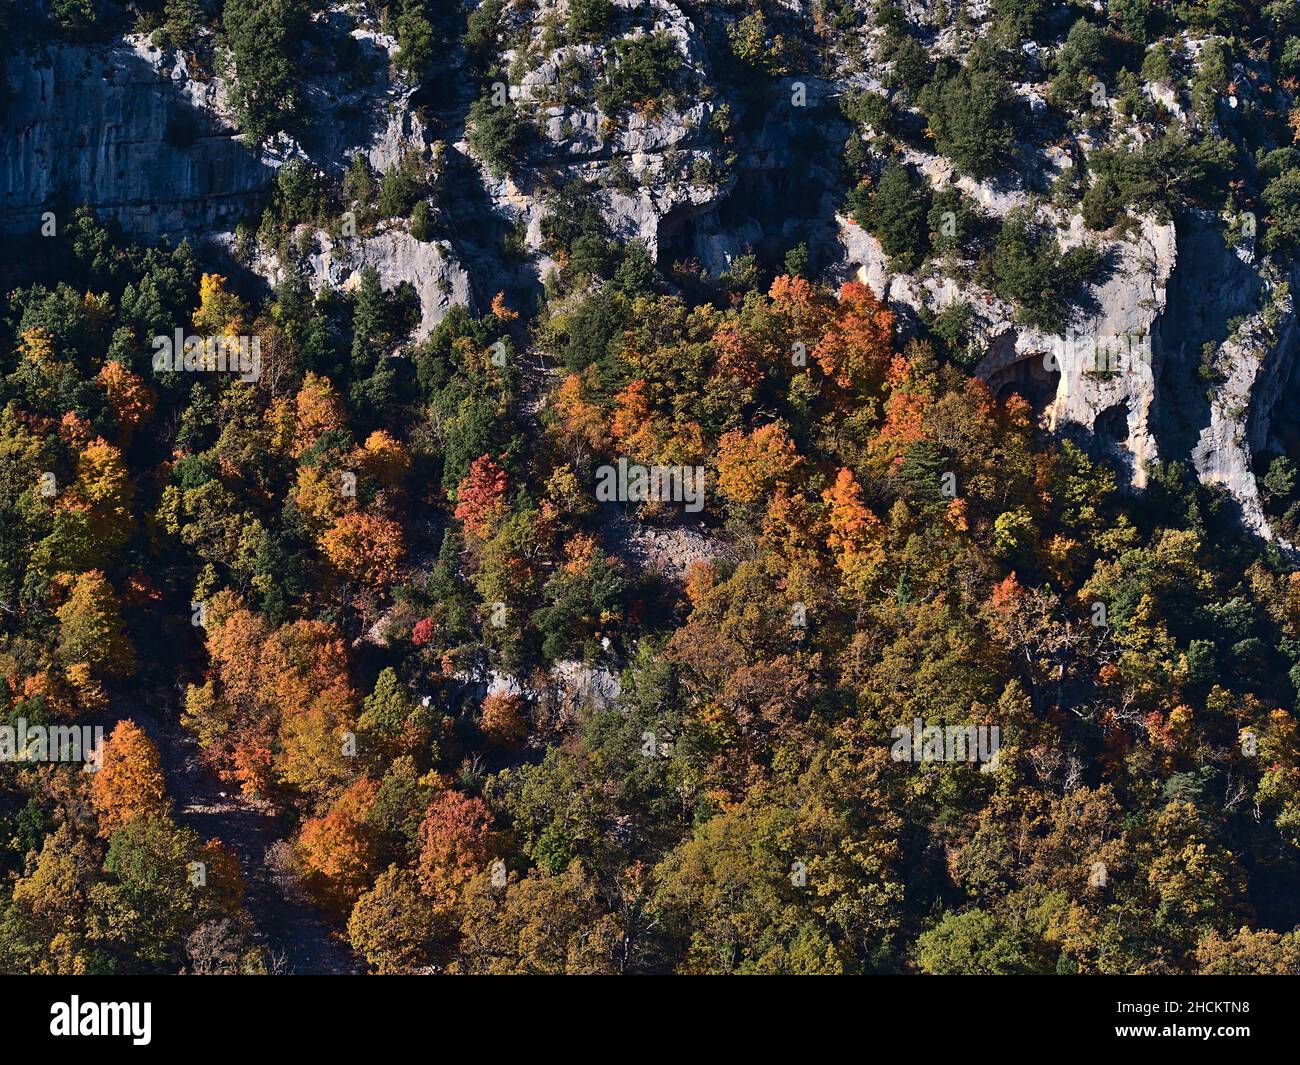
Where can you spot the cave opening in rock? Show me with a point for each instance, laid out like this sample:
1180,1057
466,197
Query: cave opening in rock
1111,425
784,195
764,215
1029,378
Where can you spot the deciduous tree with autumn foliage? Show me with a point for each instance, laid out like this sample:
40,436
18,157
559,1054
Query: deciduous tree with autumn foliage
922,686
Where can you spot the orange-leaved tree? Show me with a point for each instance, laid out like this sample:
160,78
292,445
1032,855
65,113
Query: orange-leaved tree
338,850
750,466
856,348
453,847
481,497
131,399
365,547
129,782
856,534
503,721
318,409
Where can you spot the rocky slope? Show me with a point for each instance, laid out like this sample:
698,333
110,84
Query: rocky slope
146,137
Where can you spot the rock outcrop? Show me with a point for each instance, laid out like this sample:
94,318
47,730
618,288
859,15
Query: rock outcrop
438,278
130,130
1249,371
1147,370
1129,376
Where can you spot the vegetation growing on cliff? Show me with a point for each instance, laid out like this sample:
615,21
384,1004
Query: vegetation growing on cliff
358,578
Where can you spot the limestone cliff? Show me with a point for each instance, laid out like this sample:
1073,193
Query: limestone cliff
147,139
129,129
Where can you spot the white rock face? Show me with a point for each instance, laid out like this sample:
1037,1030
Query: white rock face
1107,362
128,130
562,694
1128,365
1254,363
131,130
150,145
579,142
439,281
